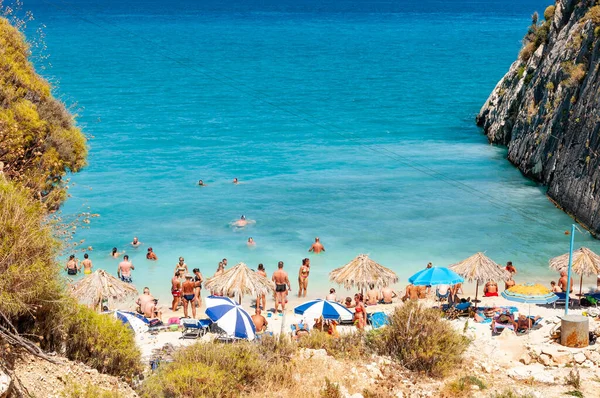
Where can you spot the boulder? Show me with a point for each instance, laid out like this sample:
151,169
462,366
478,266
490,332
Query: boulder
545,359
6,385
525,359
593,356
562,359
579,357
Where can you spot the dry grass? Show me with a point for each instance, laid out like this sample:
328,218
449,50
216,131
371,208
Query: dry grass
348,346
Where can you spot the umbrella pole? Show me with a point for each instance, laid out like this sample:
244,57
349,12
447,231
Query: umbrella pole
580,286
476,291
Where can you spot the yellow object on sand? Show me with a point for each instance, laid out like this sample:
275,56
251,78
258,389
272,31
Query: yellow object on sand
530,289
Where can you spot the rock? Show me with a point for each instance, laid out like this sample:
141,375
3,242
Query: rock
399,394
525,359
550,124
545,359
562,359
486,367
357,395
593,356
551,351
534,371
6,385
579,357
588,364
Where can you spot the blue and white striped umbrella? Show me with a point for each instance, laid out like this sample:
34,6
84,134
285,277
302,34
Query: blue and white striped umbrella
230,317
324,308
436,276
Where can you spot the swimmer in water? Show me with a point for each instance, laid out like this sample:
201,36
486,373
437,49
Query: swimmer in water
235,181
135,242
251,242
114,253
317,247
242,222
201,183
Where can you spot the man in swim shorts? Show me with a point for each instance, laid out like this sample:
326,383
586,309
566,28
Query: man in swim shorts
87,264
189,296
175,291
282,285
317,247
124,270
387,295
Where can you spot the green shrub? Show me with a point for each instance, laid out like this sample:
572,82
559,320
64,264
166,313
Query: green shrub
220,370
348,346
573,379
575,393
550,86
102,342
421,340
461,387
549,13
575,73
78,390
521,71
526,53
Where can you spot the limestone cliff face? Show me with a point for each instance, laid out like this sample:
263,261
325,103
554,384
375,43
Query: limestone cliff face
546,109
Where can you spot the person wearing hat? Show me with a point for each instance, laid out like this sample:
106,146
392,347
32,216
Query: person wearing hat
189,295
151,255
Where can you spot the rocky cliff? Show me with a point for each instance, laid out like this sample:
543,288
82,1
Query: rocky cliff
546,109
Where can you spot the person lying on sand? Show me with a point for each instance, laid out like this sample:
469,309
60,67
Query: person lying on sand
524,323
300,329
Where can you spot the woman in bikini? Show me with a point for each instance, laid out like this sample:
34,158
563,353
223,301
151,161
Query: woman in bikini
261,301
303,277
360,314
181,267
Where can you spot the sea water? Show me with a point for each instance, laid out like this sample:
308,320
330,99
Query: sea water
348,120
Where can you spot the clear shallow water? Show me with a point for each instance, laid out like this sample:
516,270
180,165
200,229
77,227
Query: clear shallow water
327,113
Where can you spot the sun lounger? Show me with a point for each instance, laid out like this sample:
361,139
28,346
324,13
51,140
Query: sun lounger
194,328
562,299
442,297
377,319
503,321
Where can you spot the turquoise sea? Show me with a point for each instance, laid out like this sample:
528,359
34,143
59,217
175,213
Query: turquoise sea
348,120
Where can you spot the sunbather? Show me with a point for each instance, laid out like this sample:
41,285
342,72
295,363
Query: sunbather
524,323
300,329
490,289
504,320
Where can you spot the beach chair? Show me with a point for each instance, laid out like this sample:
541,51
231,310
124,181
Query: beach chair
562,299
454,311
503,321
194,328
377,319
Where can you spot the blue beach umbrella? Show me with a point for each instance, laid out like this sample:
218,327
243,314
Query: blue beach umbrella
436,276
324,308
230,317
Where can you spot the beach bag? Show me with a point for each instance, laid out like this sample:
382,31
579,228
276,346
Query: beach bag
155,322
585,302
174,321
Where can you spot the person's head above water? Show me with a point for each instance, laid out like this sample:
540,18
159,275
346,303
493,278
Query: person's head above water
200,182
114,250
135,239
235,180
149,249
243,217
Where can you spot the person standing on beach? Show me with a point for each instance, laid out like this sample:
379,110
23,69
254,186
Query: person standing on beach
282,285
189,296
87,264
124,270
72,267
317,247
303,277
261,301
198,286
175,291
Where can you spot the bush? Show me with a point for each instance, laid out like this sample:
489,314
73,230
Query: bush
573,379
421,340
593,14
331,390
102,342
549,13
526,53
221,370
77,390
511,394
574,74
349,346
461,387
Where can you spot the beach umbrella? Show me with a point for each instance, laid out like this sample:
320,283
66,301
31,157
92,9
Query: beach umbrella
101,287
233,319
436,276
363,272
324,308
136,322
585,262
481,269
240,280
530,293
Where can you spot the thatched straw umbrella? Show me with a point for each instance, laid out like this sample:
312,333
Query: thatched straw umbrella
585,262
481,269
99,286
362,272
240,280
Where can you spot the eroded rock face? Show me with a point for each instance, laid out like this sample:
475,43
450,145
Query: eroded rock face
546,109
5,385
